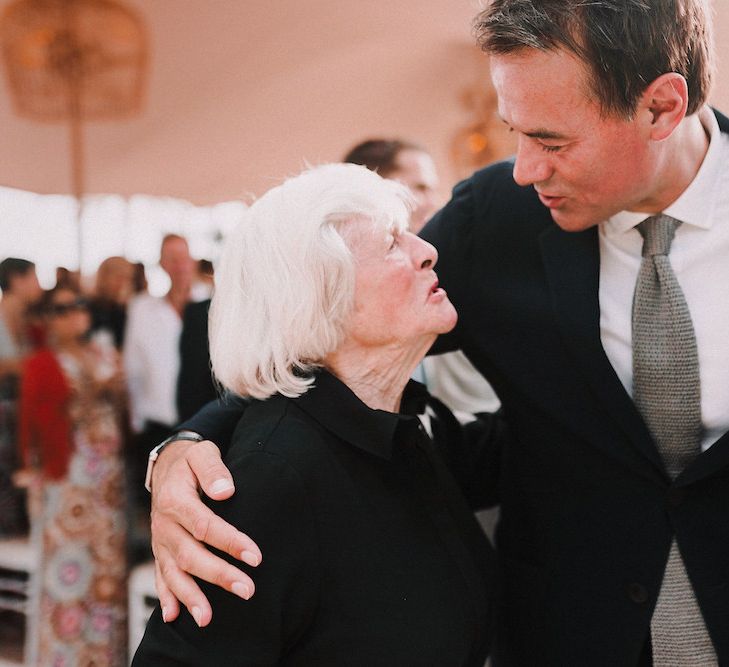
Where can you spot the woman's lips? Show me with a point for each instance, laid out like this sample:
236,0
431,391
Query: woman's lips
437,293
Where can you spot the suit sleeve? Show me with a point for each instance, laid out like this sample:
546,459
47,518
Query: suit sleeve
194,384
472,452
486,440
271,504
451,231
217,420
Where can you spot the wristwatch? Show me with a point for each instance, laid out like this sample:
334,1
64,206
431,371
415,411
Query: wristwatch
154,454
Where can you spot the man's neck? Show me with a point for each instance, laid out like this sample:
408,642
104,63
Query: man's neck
679,162
179,297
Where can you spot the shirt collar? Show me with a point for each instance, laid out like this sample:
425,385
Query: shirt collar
337,408
695,206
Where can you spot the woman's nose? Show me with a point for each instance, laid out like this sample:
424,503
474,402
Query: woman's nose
427,255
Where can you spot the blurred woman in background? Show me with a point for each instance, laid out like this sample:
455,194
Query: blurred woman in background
108,306
69,436
20,290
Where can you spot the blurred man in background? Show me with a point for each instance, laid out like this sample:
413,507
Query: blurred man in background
152,363
407,163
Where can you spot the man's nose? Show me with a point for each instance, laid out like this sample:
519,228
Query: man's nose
532,164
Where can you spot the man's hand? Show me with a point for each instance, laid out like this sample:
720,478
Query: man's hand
180,522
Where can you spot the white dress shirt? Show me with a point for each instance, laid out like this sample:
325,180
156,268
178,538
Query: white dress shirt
699,256
452,378
152,360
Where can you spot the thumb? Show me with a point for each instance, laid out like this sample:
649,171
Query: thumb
214,478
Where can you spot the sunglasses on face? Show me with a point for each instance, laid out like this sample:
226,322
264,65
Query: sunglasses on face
58,309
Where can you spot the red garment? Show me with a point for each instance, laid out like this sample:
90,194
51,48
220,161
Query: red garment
44,425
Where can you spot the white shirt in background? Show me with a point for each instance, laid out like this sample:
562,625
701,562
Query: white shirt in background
152,360
453,379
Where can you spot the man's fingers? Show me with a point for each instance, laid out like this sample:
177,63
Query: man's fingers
175,500
208,527
183,556
214,478
205,526
189,555
180,521
167,600
179,585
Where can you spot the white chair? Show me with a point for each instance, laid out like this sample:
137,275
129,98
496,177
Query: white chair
19,563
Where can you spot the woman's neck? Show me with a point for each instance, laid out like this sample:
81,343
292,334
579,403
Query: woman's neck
377,375
73,346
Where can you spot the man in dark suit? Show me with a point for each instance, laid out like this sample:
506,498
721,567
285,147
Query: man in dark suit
609,552
195,386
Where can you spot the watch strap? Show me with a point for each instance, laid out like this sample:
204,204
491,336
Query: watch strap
156,451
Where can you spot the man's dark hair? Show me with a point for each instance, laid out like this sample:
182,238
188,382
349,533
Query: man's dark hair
379,155
11,267
626,44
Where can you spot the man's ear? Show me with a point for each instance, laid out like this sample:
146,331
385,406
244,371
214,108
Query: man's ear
665,102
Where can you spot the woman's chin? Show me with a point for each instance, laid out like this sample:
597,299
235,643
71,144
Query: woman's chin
450,317
444,325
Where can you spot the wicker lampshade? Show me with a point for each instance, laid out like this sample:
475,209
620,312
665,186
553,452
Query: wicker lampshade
73,59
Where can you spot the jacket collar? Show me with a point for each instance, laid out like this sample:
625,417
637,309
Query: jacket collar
336,407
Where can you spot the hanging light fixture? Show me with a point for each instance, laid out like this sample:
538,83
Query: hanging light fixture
74,61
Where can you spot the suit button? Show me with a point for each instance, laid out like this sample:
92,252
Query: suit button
675,496
638,593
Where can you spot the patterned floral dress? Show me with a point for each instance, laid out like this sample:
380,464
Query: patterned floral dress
81,619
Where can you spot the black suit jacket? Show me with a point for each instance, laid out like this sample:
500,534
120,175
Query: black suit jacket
587,511
195,385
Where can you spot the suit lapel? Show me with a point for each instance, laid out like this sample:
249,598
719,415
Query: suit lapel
572,265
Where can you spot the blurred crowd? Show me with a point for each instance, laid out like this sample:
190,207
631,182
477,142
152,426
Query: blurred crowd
86,378
74,321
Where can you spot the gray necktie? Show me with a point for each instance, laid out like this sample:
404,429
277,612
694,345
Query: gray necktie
667,392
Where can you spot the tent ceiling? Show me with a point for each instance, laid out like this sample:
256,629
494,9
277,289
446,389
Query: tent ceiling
242,92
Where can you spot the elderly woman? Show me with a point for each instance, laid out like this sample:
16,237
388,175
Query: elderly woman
324,304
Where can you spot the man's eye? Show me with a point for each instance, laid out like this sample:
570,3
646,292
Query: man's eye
550,149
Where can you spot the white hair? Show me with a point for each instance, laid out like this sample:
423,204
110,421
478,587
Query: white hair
285,284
